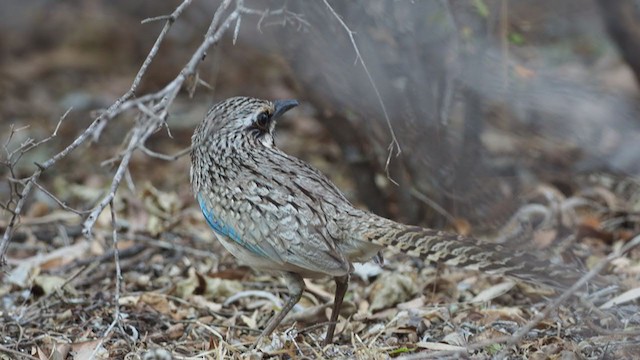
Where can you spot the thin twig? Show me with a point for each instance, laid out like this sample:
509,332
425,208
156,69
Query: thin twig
394,139
116,296
60,203
165,157
433,205
157,18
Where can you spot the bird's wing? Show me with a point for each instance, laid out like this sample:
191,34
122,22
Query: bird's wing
277,215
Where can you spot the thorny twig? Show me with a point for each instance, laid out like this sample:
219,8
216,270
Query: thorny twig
167,95
288,17
157,103
28,183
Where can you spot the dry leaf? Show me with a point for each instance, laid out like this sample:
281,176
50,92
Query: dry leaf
29,267
84,350
216,288
201,301
187,287
158,302
391,289
317,290
128,300
454,338
46,284
439,346
161,206
626,296
175,331
66,315
41,355
37,210
493,292
544,238
221,288
412,304
502,314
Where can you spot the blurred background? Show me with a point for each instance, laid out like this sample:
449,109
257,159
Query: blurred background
485,100
512,120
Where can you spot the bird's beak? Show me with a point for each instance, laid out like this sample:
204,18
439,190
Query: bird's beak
282,106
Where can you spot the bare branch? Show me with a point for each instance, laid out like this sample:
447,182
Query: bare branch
157,18
153,107
154,119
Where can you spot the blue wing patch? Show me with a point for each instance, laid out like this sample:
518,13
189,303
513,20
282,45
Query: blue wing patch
223,229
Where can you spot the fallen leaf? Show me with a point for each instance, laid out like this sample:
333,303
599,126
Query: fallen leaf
201,301
455,339
29,267
175,331
187,287
128,300
221,288
158,302
502,314
84,350
46,284
625,297
162,206
493,292
391,289
38,209
462,226
66,315
544,238
41,355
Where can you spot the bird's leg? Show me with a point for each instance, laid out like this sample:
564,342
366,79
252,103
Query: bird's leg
295,285
342,283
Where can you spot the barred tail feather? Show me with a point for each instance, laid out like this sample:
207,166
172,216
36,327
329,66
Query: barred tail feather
461,251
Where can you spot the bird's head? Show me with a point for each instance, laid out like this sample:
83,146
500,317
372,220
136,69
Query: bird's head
244,119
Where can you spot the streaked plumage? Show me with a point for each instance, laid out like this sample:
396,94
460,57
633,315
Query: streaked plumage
278,214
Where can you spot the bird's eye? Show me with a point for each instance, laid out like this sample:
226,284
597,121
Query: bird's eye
262,121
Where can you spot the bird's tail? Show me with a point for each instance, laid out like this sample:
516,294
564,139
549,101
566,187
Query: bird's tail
461,251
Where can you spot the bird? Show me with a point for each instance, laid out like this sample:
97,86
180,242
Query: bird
280,215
